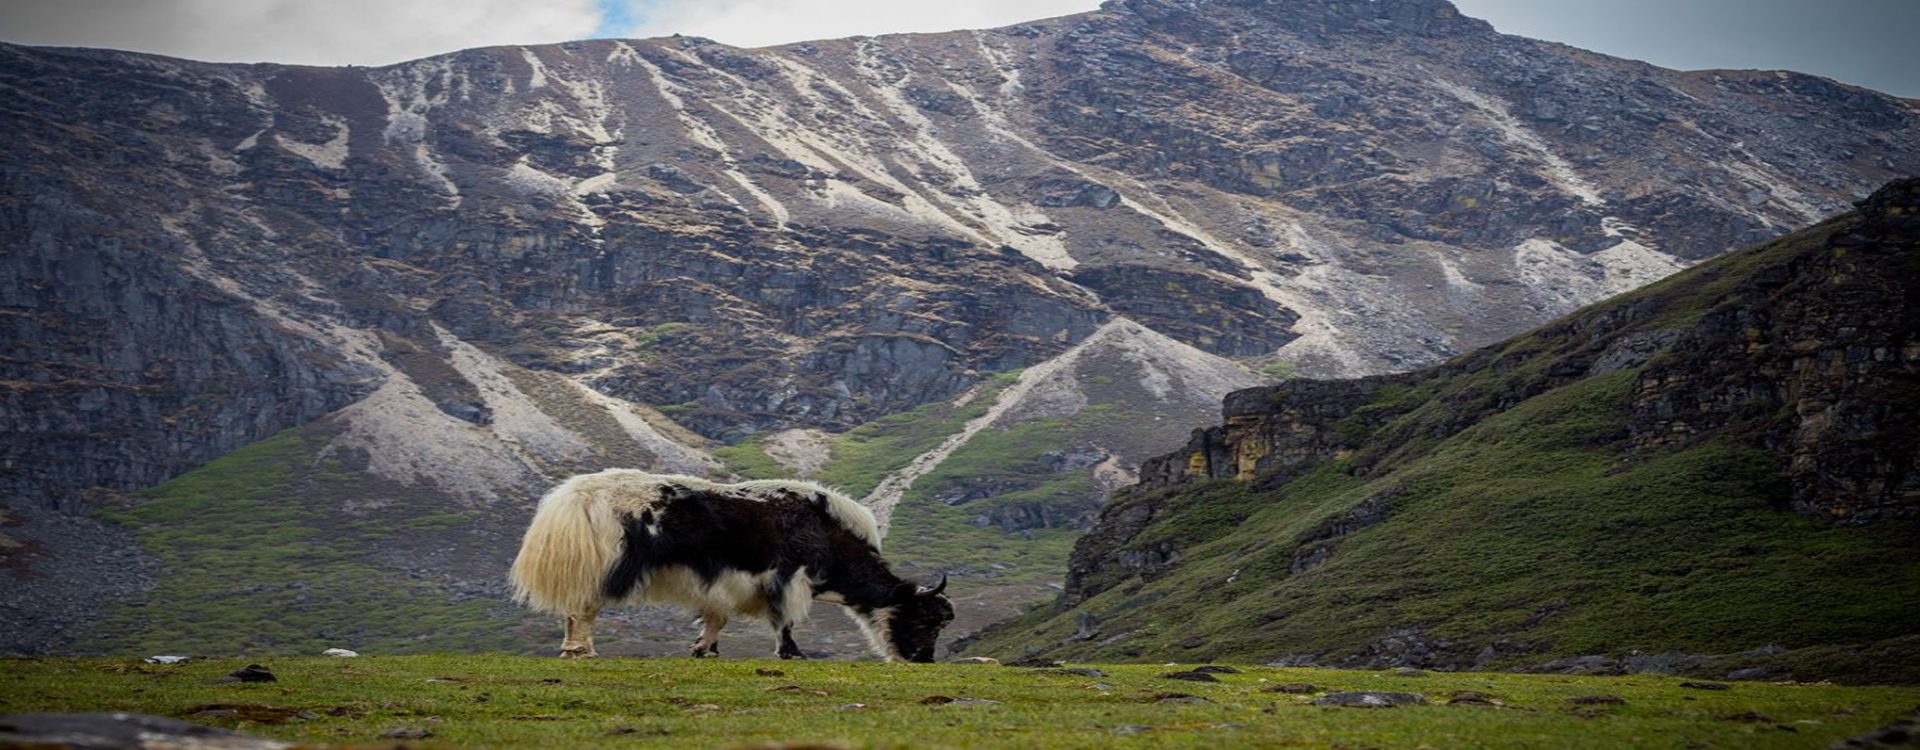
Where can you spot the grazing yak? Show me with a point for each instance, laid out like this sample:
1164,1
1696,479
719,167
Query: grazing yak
763,549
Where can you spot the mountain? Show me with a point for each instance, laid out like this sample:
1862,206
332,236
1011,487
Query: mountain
408,297
1724,463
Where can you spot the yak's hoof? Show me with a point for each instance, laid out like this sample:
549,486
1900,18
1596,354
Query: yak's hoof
793,655
569,653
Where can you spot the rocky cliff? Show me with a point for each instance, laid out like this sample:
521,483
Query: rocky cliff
489,268
1728,454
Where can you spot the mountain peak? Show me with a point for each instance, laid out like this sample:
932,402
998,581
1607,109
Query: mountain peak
1420,17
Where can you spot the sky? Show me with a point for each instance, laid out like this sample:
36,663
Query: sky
1865,42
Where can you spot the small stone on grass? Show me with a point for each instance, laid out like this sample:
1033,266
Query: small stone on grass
1369,699
250,673
948,700
1597,700
1470,698
1075,671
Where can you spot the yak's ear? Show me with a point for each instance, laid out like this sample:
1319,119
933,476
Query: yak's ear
905,591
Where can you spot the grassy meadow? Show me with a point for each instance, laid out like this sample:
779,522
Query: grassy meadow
508,701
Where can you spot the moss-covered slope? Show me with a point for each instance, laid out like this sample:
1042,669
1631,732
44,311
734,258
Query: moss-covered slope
1720,463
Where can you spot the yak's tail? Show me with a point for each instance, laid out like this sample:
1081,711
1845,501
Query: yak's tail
568,551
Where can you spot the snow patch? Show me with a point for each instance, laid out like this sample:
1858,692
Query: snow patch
1558,170
1319,339
330,155
1010,86
408,440
1564,279
1457,282
1776,188
1052,388
703,133
967,196
859,156
404,87
671,456
404,437
623,54
539,77
1631,265
527,179
596,184
517,419
434,168
219,162
247,144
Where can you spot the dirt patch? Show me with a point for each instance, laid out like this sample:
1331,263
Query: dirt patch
803,451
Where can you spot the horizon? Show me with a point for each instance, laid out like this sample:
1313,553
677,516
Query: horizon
1770,35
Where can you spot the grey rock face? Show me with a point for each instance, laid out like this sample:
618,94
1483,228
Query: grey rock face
1207,183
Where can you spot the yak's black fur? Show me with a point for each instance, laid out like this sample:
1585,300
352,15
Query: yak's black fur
714,532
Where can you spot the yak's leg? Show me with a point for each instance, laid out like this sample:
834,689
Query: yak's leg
709,644
788,649
578,642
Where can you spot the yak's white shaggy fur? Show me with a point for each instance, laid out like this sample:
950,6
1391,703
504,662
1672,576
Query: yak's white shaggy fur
575,540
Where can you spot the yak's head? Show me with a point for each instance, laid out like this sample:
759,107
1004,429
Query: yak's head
914,619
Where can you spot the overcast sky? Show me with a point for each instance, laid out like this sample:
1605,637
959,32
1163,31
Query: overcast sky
1868,42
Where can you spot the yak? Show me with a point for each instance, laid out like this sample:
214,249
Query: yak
765,549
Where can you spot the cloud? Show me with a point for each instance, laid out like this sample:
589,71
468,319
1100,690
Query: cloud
335,32
756,23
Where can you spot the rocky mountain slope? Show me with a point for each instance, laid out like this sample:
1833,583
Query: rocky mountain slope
461,277
1727,461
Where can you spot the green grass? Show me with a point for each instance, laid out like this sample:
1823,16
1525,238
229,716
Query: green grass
256,560
964,536
866,454
501,701
747,460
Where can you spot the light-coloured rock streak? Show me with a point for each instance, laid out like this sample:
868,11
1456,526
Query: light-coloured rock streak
1558,170
1042,391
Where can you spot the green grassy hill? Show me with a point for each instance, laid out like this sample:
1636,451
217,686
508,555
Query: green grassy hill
257,558
1719,463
